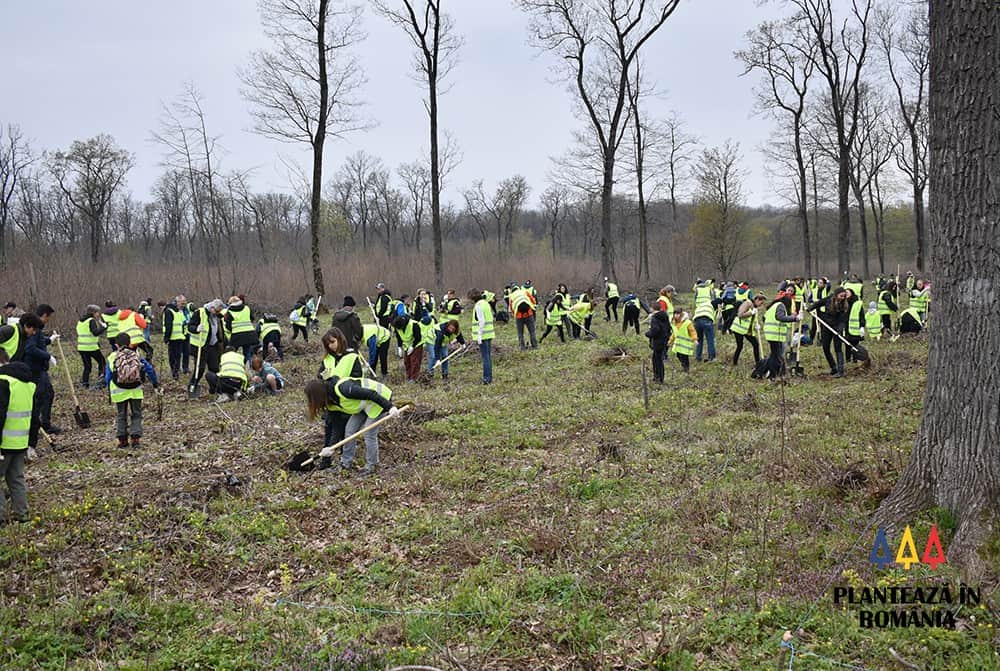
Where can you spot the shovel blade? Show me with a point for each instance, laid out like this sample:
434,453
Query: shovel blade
82,418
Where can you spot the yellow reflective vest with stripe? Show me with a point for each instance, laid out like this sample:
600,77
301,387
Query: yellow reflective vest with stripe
233,366
683,344
774,330
119,394
240,322
129,326
85,340
353,406
18,422
381,333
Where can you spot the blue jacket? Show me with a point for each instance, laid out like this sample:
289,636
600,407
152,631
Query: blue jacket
148,371
36,354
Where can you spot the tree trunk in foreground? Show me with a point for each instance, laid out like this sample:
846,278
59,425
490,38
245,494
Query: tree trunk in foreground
956,458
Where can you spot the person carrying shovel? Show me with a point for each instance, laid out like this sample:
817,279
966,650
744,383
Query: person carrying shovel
368,403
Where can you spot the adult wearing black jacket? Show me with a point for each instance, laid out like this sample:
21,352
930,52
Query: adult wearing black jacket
36,355
348,321
658,334
835,310
91,322
383,303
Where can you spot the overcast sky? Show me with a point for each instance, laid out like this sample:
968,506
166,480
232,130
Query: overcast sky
75,69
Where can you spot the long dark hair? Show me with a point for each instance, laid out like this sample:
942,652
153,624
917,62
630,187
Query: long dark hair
335,335
785,300
316,398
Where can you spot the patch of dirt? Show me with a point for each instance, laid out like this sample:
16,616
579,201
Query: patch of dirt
611,356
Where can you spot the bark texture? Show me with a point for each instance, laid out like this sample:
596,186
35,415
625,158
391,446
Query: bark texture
956,458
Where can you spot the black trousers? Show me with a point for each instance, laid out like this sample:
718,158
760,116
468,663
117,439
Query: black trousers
739,347
827,339
548,330
776,359
222,385
685,361
382,356
210,356
297,330
631,319
658,372
334,426
44,395
89,358
609,305
185,356
175,355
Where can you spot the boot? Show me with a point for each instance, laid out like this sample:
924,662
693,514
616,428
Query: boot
135,442
123,442
324,463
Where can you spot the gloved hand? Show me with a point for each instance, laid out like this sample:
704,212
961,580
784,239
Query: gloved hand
753,311
53,361
479,341
394,411
54,337
31,456
409,351
327,452
201,328
799,317
862,331
399,352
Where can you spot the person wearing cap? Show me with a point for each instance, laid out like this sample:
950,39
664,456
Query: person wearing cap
348,321
611,295
89,328
205,329
238,327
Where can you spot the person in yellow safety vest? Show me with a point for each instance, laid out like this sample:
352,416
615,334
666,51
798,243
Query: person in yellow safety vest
705,303
682,338
410,339
366,402
855,285
744,327
19,423
632,305
778,319
450,304
269,332
377,338
887,306
873,322
665,300
836,314
554,313
443,335
920,298
581,314
89,328
110,317
14,337
910,281
299,319
339,361
522,305
134,324
127,395
910,321
239,327
659,335
205,334
231,381
174,337
483,331
856,317
611,295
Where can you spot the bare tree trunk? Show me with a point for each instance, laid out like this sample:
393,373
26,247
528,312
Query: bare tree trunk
316,200
859,198
956,455
800,163
436,237
815,214
844,214
607,242
918,222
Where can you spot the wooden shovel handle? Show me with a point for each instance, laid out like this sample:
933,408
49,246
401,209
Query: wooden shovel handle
69,378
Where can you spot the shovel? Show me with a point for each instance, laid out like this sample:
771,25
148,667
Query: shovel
860,353
797,369
460,350
81,417
193,387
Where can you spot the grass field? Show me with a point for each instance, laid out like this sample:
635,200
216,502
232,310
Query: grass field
548,521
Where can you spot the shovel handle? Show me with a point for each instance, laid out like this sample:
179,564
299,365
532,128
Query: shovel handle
69,378
358,434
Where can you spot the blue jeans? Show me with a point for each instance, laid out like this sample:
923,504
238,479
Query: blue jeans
354,424
435,354
705,327
486,352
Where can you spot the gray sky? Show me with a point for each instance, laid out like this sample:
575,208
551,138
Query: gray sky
75,69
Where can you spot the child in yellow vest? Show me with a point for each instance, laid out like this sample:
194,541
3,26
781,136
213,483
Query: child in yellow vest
124,375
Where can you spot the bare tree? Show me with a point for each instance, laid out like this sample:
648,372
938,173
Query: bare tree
640,145
417,183
957,449
387,203
841,54
787,65
304,88
907,52
352,192
596,43
678,151
89,173
15,158
190,148
502,209
555,205
719,228
436,45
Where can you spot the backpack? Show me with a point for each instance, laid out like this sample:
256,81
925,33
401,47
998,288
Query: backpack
127,372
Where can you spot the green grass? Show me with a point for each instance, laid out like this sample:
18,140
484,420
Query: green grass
547,520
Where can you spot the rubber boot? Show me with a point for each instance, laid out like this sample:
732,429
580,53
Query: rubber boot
123,442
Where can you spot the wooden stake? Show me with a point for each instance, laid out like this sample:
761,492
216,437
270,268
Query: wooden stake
645,388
